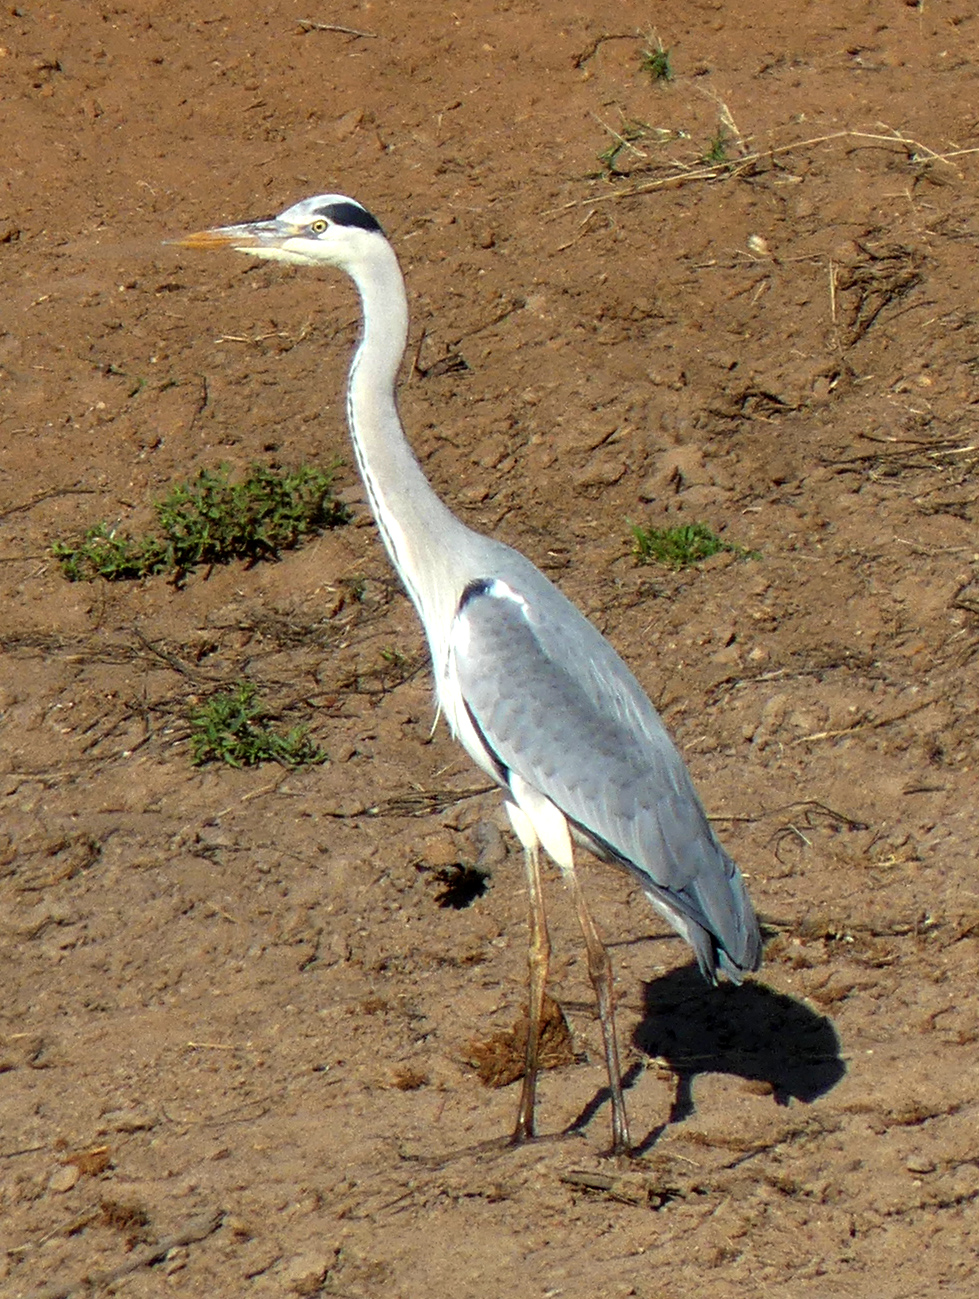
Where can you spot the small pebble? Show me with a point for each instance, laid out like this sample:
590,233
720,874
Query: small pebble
919,1164
304,1274
64,1178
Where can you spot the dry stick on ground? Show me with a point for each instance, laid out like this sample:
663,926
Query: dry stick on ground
308,25
78,1223
581,59
733,168
177,664
807,805
420,804
195,1230
895,927
866,724
47,495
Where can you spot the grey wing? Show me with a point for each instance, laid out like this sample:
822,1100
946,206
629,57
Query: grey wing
552,701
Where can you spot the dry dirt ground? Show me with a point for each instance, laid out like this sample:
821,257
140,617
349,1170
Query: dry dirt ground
237,1011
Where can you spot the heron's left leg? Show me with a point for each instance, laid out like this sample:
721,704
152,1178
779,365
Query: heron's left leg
538,958
551,829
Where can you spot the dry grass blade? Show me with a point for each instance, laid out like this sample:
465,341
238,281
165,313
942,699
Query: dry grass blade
810,807
636,1188
591,50
866,724
885,277
48,494
308,25
916,152
419,804
196,1229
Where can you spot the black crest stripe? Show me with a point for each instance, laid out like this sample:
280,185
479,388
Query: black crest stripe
350,214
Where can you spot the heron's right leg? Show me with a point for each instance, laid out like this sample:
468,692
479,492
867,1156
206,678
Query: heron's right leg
538,958
600,972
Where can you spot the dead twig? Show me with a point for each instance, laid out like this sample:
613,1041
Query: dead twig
591,50
865,724
195,1230
177,664
815,928
47,495
307,25
421,804
731,168
637,1188
808,806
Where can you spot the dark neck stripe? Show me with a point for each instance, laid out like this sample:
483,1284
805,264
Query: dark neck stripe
479,586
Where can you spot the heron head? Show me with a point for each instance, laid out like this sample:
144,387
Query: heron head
326,230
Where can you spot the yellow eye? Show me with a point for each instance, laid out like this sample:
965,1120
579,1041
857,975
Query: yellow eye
318,227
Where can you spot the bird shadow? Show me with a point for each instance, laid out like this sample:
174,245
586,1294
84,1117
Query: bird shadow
752,1032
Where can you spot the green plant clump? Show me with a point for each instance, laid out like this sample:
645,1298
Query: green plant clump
101,552
680,547
657,63
717,150
211,520
630,134
231,727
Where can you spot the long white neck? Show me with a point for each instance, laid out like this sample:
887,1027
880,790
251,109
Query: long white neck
425,541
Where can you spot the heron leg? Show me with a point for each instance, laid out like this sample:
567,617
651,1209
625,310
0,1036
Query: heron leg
600,972
536,819
538,959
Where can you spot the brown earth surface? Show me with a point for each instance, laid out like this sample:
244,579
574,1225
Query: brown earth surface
238,1017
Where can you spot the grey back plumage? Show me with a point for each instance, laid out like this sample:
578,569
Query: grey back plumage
551,700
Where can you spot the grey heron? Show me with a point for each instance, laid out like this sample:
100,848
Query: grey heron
534,693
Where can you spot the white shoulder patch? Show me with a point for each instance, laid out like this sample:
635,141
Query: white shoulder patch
460,638
501,591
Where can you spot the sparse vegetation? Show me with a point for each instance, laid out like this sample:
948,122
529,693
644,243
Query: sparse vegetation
628,135
395,659
356,585
656,61
717,150
211,520
680,547
232,727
